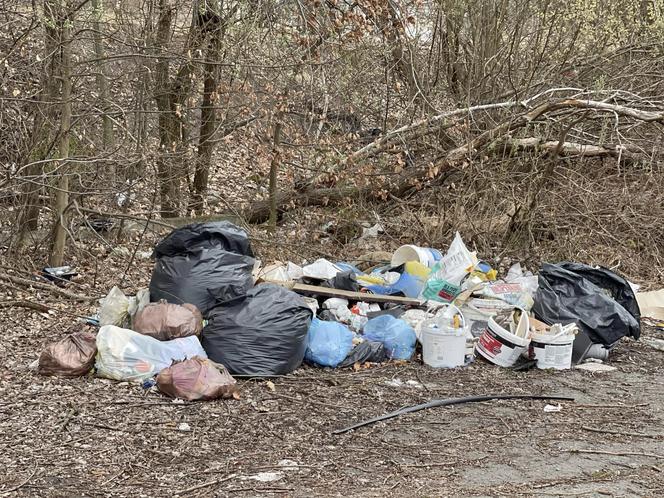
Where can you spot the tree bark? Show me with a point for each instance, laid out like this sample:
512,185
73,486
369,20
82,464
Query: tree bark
206,143
168,140
62,192
274,170
102,80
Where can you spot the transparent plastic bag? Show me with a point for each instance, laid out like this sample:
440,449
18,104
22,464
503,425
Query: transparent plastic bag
123,354
396,335
329,343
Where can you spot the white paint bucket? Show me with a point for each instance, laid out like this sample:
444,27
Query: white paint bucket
500,346
443,346
552,350
425,255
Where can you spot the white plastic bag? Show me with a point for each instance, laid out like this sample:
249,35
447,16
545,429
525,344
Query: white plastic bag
321,269
114,308
123,354
444,282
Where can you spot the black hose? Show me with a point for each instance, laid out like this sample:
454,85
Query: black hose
446,402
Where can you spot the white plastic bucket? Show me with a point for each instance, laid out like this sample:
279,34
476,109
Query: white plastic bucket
500,346
443,346
551,351
425,255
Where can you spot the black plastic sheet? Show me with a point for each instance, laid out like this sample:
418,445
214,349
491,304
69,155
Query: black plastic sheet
600,302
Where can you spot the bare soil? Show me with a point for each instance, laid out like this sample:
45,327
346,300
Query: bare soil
95,437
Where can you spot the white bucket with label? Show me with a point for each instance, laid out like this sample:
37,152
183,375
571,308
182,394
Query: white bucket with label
552,350
500,346
443,346
425,255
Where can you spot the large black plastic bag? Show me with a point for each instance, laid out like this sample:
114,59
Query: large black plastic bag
263,333
565,296
212,235
202,264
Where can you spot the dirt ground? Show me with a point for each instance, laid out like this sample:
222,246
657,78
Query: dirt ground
95,437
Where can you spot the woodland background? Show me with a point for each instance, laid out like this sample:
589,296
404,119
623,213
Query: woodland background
532,126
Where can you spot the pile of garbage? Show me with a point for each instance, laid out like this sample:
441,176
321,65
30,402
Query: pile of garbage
213,312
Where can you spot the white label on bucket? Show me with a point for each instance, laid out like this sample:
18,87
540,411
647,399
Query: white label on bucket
554,356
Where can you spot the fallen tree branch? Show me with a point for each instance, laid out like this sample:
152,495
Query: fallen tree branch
47,287
572,148
259,211
25,304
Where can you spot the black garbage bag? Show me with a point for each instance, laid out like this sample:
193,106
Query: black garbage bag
262,333
565,296
202,264
192,238
365,351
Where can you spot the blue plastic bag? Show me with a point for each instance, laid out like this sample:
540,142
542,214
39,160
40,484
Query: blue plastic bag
396,335
329,343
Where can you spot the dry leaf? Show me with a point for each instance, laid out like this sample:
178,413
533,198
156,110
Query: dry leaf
270,385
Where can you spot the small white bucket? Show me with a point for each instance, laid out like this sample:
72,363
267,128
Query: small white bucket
500,346
552,351
443,346
425,255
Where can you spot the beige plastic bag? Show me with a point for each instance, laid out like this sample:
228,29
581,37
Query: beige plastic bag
166,321
72,356
196,379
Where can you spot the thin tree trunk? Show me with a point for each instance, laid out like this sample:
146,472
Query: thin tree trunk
62,192
274,169
167,133
206,142
102,81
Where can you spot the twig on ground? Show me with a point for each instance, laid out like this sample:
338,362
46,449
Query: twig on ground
607,431
204,485
617,453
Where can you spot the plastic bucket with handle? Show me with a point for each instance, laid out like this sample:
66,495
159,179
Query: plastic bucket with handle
443,345
501,347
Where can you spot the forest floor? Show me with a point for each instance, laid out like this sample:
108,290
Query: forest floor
96,437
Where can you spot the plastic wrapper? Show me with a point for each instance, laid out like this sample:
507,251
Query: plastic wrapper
260,334
127,355
444,283
165,321
511,293
203,264
600,302
72,356
329,343
321,269
196,379
396,335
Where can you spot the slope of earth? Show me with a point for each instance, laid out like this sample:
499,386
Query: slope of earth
95,437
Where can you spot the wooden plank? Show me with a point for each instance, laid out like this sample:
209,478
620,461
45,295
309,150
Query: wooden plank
350,295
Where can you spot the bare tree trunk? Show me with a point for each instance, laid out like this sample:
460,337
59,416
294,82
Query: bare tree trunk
274,169
206,142
62,192
168,140
102,81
